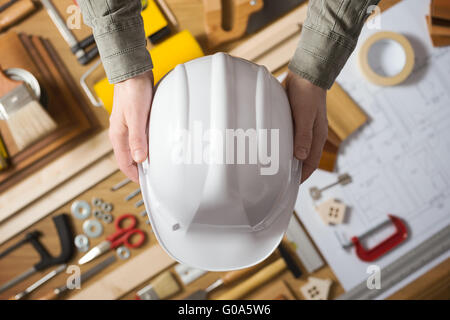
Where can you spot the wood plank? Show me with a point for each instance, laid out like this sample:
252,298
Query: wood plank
128,276
64,193
272,35
55,173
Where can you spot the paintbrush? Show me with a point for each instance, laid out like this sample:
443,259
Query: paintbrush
27,120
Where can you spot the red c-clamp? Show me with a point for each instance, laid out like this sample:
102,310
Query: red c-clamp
390,243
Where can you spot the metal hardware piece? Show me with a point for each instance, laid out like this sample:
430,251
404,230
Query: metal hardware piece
123,252
343,179
82,242
133,194
97,202
92,228
120,184
107,218
107,207
81,209
98,214
139,203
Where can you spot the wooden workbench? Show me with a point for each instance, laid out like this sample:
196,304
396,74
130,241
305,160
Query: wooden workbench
434,284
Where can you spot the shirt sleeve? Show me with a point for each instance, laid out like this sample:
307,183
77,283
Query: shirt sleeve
329,35
119,33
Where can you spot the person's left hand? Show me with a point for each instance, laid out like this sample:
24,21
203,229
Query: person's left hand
308,104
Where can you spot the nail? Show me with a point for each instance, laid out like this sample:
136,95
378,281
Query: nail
139,155
301,153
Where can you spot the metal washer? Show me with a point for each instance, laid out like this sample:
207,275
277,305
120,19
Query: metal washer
107,207
81,209
92,228
123,252
82,242
97,202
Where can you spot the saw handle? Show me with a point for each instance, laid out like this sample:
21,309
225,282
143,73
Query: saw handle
65,235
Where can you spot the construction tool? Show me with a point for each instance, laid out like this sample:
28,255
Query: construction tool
83,56
229,20
4,162
40,282
60,291
6,5
169,14
120,184
33,235
67,249
404,266
14,11
259,278
343,180
139,203
163,287
304,248
122,236
155,24
383,247
27,120
177,49
227,279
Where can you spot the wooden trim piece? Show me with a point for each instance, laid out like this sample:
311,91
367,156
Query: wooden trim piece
65,192
272,35
128,276
55,173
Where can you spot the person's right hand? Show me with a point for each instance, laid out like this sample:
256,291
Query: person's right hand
128,122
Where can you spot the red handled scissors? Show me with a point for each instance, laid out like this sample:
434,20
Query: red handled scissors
120,237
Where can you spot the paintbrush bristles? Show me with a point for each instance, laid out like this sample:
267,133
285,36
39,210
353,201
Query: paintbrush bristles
30,123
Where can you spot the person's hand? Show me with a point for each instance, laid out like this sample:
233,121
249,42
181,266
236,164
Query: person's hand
128,122
308,104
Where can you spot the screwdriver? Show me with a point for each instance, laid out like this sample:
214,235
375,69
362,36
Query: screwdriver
40,282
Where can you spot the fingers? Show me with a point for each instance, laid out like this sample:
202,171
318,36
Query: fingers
118,135
303,138
137,137
320,133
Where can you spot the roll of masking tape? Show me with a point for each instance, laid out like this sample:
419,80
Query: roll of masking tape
370,74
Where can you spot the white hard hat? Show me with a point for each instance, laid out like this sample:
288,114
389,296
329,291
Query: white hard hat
221,180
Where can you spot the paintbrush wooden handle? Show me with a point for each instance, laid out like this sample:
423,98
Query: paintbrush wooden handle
255,281
15,12
51,295
6,84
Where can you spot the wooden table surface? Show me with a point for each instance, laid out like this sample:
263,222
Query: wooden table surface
434,284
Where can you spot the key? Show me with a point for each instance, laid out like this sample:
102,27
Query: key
343,179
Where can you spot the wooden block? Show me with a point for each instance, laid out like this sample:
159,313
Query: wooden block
277,290
128,276
332,211
344,115
440,9
329,157
55,173
316,289
438,27
62,194
437,40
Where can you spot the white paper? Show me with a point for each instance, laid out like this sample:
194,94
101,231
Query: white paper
399,161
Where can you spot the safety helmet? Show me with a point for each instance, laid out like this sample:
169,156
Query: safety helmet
221,180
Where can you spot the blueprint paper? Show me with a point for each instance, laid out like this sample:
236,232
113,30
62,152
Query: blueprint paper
399,161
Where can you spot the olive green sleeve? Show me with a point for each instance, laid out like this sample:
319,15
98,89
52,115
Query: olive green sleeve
328,37
119,33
